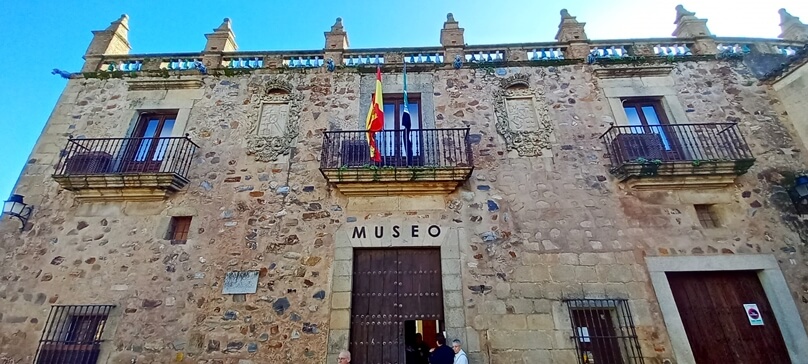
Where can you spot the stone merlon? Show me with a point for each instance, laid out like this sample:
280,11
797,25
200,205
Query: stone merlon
792,27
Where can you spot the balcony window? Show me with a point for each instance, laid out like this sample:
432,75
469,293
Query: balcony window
652,147
146,166
649,117
394,150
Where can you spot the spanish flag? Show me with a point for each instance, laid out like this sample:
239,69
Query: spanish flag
375,119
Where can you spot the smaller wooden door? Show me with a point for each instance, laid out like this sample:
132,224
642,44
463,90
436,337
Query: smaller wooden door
711,305
146,149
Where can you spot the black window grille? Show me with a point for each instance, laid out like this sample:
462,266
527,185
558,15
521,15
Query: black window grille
73,334
603,331
707,216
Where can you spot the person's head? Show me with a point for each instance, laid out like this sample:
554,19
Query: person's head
344,357
419,338
456,345
441,339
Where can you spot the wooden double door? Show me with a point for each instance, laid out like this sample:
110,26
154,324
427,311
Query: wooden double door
711,305
392,287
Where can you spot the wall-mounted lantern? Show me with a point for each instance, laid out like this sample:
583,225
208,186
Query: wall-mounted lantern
799,194
14,207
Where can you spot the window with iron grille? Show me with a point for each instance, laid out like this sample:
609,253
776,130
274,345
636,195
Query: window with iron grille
707,217
603,331
73,334
178,229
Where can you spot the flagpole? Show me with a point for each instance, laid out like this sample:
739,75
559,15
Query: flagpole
406,121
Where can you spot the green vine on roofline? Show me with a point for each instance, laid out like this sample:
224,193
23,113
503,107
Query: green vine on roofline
105,75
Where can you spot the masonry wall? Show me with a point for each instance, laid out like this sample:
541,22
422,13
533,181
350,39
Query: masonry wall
792,90
531,231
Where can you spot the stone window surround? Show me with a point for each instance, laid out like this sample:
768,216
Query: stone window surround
164,222
341,281
771,277
417,83
618,89
180,100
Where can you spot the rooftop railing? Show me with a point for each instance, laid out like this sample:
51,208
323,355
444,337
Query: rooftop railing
496,53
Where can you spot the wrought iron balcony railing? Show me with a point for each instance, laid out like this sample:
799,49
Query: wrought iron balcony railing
120,163
414,157
677,149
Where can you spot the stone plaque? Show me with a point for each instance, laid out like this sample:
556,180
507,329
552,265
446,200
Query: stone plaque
522,114
240,282
273,120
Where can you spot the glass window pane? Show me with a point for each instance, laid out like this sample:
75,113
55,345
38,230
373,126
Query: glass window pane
151,128
168,127
162,144
389,116
415,122
385,139
653,122
634,120
145,144
143,150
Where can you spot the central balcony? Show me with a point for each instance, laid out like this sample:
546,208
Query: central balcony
132,169
417,162
678,155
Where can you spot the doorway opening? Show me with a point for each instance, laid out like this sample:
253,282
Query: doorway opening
727,317
396,295
420,336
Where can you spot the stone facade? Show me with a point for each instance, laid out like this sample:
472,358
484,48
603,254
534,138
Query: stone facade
535,224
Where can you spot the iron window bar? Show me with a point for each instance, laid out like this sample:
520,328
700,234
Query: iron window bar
603,331
73,334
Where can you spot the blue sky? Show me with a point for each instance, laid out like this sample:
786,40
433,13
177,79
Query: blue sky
40,35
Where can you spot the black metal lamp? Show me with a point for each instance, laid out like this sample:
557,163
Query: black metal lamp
799,194
14,207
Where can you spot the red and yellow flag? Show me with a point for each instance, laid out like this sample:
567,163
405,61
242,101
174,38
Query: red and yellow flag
375,119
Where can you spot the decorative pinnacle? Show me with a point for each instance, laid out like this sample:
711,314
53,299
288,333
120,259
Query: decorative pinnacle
123,20
337,25
681,12
225,25
786,17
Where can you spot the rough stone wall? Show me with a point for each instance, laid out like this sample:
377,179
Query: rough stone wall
539,229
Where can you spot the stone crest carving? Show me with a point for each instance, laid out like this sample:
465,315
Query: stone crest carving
277,122
523,117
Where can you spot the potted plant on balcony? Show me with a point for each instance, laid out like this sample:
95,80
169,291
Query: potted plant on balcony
648,167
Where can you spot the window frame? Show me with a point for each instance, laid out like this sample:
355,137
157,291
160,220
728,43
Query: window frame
398,157
674,149
621,338
179,228
138,160
707,216
398,100
73,334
